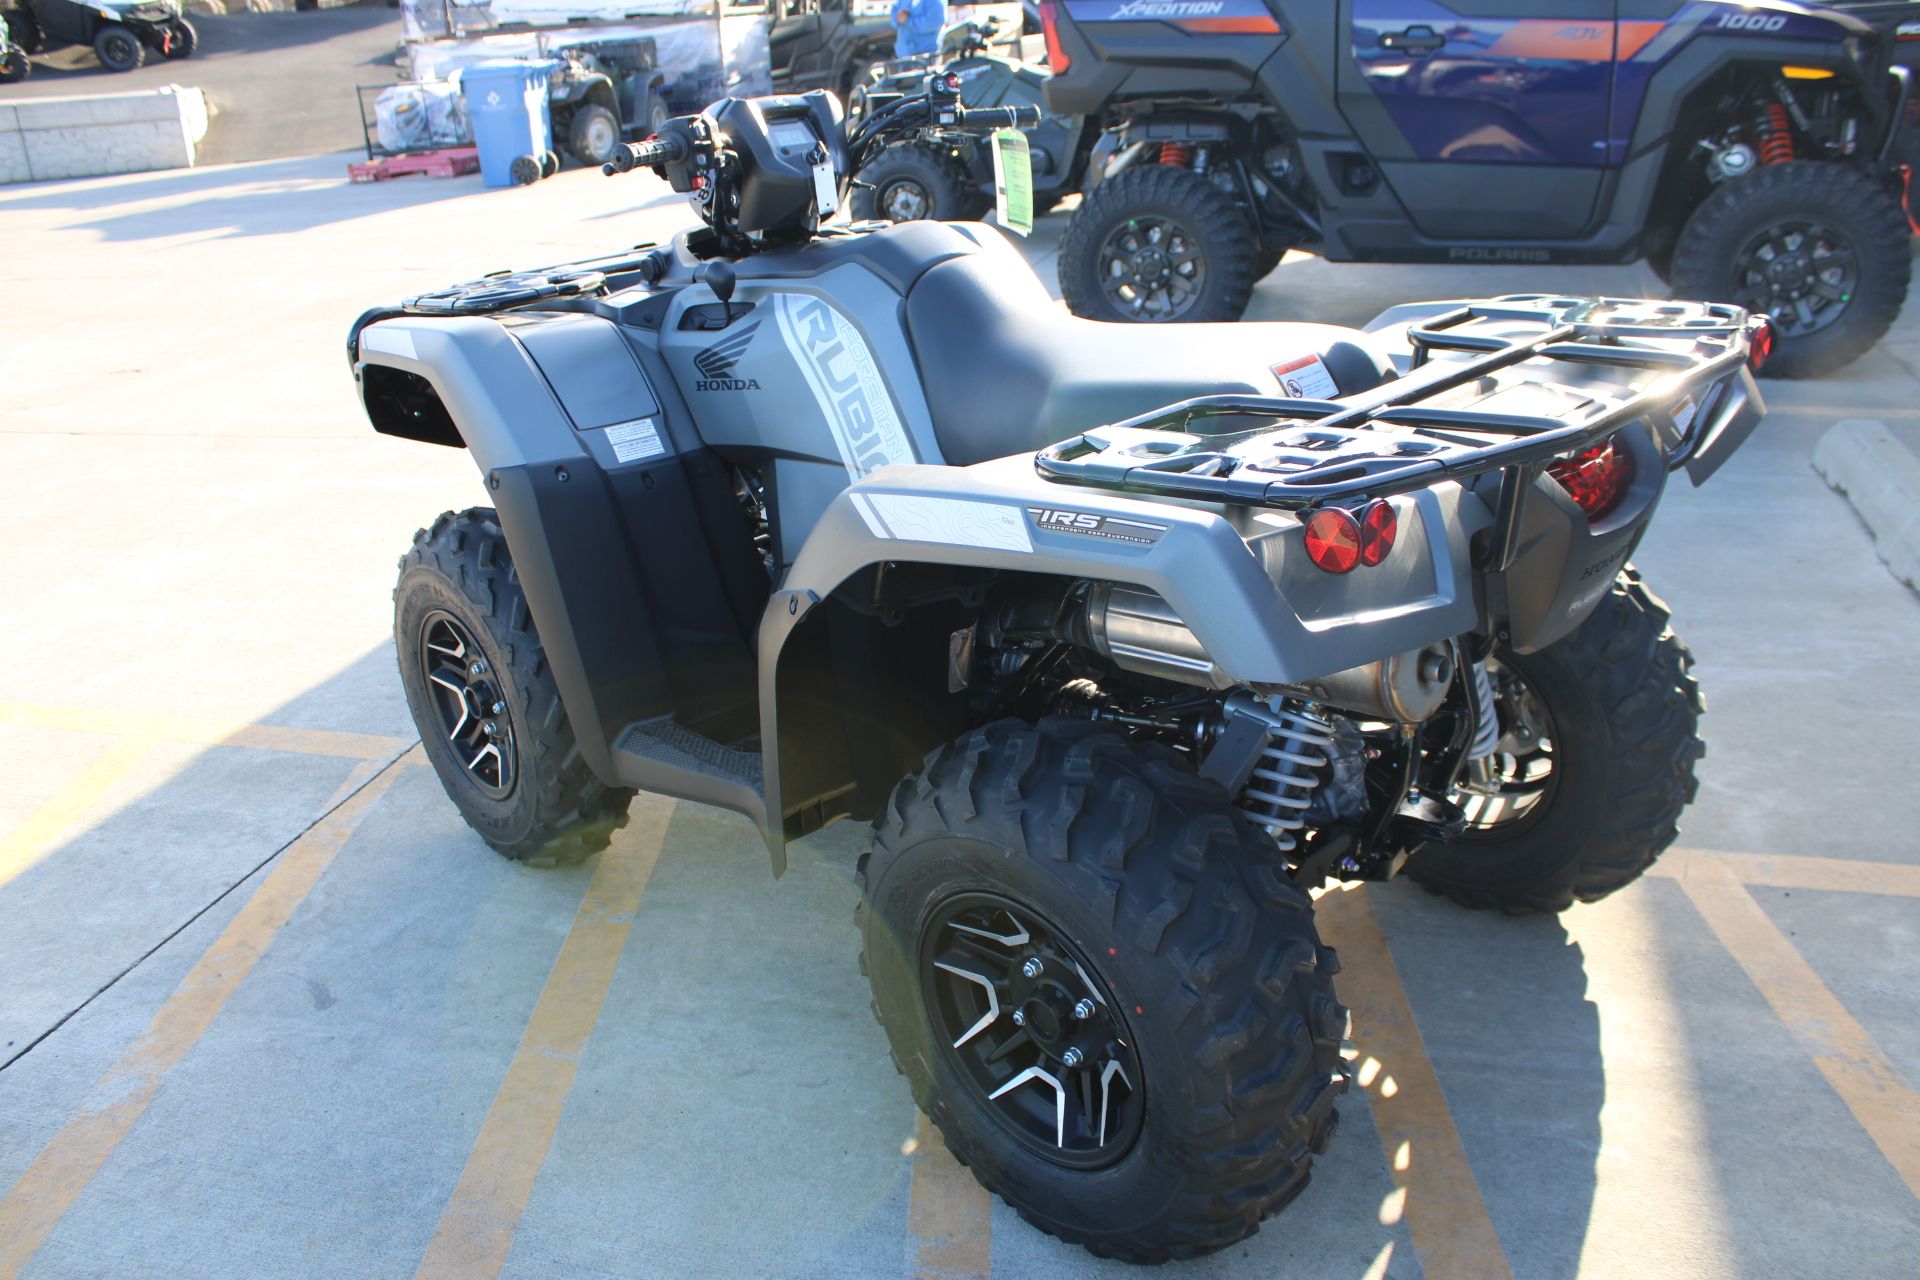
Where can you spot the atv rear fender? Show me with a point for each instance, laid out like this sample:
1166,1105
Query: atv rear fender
1238,578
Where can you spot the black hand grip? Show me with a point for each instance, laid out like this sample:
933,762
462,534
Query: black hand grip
634,155
987,119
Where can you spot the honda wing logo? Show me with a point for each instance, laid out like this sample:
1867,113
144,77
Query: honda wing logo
717,361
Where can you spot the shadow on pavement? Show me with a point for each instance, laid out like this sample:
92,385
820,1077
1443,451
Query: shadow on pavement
102,899
1502,1003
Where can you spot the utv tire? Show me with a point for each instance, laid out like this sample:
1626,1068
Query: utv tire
552,811
593,135
17,67
1721,257
118,48
184,39
1138,230
1624,711
908,182
1139,882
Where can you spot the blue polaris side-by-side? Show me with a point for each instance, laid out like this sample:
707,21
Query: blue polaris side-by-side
1749,152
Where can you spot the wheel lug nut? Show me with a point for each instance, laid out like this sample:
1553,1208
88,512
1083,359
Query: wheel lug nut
478,668
1084,1009
1033,968
1073,1057
499,708
490,728
1019,1018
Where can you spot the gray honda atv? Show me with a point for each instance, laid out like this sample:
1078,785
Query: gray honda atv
1123,638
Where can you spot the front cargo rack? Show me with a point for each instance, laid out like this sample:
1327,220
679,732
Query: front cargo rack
1333,450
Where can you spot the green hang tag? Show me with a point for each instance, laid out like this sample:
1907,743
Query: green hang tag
1013,181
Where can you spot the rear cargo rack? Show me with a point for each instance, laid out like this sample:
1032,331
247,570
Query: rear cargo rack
1334,450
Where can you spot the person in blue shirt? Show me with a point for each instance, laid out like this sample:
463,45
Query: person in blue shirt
916,26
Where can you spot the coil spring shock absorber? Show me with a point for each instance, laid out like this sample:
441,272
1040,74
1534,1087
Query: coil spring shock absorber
1776,135
1486,733
1289,768
1176,155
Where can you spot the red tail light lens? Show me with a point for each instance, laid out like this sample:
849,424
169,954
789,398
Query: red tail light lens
1333,540
1058,59
1760,344
1596,478
1379,526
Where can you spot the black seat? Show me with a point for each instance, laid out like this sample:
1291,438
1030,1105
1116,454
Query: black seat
1007,371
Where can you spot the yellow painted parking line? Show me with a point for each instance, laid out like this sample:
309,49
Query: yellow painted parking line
358,775
69,1162
1785,871
206,733
477,1227
1437,1195
1847,1056
949,1214
27,843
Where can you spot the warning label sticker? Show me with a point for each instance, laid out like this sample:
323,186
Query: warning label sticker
1306,379
635,440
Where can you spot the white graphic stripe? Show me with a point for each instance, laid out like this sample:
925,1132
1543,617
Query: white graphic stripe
846,383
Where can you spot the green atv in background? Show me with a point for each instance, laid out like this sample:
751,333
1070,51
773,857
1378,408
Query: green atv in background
14,63
948,177
603,92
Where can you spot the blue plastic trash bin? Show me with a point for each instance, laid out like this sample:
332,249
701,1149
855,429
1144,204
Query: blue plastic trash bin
512,128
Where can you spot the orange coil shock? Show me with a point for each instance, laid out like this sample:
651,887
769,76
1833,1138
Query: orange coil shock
1178,155
1776,136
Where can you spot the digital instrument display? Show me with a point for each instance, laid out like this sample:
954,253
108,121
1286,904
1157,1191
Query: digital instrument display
792,135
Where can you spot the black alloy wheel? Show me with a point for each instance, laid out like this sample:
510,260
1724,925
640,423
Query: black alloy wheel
118,48
1822,247
1028,1024
1158,244
1800,271
1152,269
469,656
473,716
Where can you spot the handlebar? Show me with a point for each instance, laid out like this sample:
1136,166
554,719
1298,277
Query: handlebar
628,156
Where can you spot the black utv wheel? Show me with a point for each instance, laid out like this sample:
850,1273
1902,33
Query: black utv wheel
592,135
1101,989
118,48
1599,735
908,182
1822,248
182,39
489,713
1155,243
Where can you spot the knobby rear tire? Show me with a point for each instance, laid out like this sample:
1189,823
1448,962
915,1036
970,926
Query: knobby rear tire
1211,954
1626,711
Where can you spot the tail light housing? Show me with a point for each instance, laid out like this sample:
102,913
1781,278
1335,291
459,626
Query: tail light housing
1596,478
1058,59
1760,344
1338,540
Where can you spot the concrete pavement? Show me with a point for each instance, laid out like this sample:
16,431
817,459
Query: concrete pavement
270,1009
